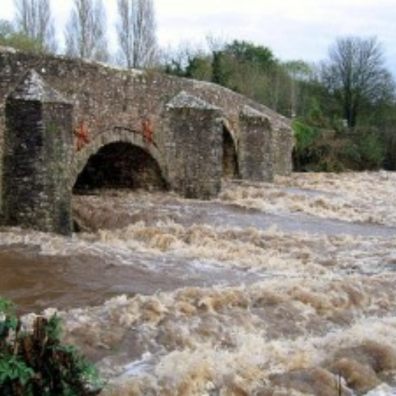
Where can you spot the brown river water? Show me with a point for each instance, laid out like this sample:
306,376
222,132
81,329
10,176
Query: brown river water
271,289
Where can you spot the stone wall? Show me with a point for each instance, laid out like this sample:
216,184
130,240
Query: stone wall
114,105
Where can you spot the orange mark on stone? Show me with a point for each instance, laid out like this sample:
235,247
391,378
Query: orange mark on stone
147,131
82,136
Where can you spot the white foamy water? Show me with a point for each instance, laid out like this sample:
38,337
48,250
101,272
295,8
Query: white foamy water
237,302
355,197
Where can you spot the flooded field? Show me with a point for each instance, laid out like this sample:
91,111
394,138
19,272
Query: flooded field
271,289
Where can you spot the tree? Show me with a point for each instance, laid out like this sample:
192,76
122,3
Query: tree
245,52
125,32
136,31
299,72
86,31
34,20
252,70
355,76
244,67
199,67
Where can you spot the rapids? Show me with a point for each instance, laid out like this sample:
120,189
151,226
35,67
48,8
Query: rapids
272,289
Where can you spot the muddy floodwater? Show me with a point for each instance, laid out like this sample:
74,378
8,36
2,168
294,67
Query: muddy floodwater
271,289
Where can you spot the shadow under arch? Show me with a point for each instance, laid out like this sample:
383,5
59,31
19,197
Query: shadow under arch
230,154
120,159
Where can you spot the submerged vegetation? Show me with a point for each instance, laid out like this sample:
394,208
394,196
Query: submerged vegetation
37,363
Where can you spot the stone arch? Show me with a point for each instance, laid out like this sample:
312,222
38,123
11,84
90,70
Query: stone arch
230,163
115,139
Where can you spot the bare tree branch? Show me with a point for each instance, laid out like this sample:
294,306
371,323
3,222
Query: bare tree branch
355,74
137,33
33,19
85,33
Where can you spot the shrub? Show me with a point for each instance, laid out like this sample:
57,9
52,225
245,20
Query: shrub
9,37
334,150
305,135
305,155
37,363
371,149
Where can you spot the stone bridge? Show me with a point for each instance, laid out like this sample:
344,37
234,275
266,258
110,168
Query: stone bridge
74,125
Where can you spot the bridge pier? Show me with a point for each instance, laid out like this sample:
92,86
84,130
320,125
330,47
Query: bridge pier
38,147
255,146
194,158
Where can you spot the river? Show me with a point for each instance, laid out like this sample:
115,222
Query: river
271,289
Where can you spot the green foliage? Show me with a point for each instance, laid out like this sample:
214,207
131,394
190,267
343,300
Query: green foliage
244,67
6,307
246,52
310,151
8,319
37,363
305,135
9,37
298,69
220,69
328,150
250,70
13,369
370,148
327,139
54,327
199,68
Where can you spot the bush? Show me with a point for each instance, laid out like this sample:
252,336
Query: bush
9,37
305,135
371,149
306,156
332,150
37,363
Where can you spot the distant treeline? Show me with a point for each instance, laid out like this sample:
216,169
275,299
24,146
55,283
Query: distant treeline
343,109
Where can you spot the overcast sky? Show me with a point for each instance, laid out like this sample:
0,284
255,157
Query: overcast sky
293,29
